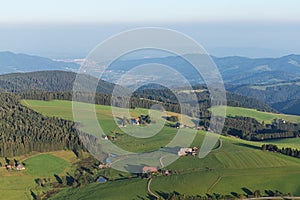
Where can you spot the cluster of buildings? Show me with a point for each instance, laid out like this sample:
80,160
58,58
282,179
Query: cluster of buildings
185,151
151,170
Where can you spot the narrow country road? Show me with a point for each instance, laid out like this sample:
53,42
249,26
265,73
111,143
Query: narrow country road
149,190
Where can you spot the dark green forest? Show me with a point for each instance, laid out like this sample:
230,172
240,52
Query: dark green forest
23,130
250,129
51,81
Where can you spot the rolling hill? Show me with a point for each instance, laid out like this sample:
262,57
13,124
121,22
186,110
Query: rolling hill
237,167
234,69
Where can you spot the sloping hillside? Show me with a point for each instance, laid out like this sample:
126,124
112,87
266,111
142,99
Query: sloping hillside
12,62
233,166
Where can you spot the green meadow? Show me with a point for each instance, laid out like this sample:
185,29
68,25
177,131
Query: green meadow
236,167
258,115
45,165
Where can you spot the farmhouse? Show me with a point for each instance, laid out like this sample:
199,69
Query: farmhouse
109,137
135,121
147,169
8,167
20,167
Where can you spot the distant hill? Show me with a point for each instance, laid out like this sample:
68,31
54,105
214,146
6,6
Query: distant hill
50,81
283,96
12,62
289,107
234,69
242,70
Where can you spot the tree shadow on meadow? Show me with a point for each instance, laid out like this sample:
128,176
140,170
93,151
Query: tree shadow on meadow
247,145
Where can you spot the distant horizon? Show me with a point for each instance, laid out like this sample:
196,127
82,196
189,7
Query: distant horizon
71,59
219,39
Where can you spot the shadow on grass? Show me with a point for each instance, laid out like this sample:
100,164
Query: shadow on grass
247,145
247,191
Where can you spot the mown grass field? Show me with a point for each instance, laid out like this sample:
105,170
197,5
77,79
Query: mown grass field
236,167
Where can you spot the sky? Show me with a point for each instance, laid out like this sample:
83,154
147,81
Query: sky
71,28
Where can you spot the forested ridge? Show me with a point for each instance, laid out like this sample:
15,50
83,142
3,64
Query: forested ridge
62,81
51,81
23,130
233,99
284,97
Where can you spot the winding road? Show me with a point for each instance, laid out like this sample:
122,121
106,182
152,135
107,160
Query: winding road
149,190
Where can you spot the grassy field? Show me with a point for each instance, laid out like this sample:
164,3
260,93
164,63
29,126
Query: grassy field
63,109
17,184
45,165
237,166
258,115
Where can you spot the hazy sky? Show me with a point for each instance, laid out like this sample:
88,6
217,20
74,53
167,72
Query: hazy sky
71,28
148,10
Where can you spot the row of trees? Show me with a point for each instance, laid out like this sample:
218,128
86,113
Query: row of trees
215,196
286,151
250,129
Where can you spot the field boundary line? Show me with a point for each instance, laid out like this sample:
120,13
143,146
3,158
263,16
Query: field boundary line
214,184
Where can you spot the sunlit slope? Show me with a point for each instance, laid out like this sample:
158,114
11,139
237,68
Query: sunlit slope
232,167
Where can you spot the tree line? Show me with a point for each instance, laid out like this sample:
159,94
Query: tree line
250,129
284,150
